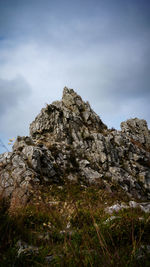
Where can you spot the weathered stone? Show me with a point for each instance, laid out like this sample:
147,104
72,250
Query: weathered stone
132,204
90,175
115,208
26,249
143,206
137,130
69,141
21,142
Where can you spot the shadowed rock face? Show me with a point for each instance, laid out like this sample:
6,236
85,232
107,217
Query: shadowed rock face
68,141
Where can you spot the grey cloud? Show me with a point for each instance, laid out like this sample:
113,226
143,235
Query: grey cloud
114,72
87,20
99,48
116,81
12,92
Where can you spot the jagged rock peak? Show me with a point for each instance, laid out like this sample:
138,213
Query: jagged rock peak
66,120
70,99
68,141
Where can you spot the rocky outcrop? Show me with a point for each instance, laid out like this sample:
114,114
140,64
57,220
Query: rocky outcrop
138,131
68,141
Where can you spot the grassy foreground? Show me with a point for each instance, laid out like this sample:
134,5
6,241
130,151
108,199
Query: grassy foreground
67,226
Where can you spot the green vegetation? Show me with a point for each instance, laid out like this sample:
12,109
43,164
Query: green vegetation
68,226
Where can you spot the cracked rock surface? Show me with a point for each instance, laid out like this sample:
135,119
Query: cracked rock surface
68,141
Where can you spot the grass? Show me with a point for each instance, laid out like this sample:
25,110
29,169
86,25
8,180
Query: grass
68,224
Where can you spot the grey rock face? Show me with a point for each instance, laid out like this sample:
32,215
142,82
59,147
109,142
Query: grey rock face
68,120
68,141
137,130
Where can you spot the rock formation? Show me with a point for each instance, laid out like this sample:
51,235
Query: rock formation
69,142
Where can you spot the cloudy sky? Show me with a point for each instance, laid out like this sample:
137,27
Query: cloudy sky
100,48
